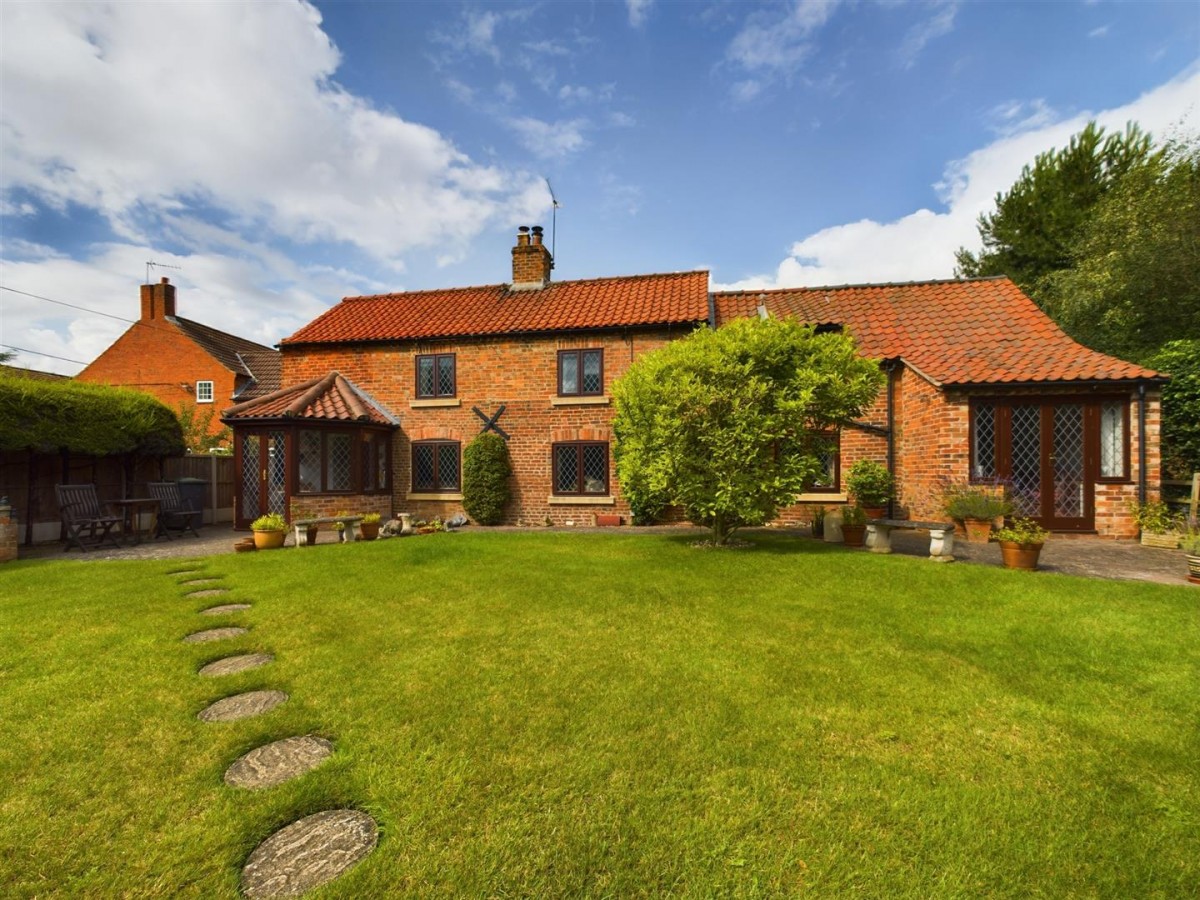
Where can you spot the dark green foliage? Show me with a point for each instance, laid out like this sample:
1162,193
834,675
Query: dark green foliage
1037,221
1181,406
92,419
486,469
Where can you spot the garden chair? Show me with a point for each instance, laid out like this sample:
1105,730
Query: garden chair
82,513
173,513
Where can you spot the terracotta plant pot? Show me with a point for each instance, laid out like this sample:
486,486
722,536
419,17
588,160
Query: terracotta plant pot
875,512
1193,563
269,540
369,530
978,530
854,535
607,519
1020,556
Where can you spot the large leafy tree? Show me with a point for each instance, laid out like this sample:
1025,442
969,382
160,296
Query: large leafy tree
1037,221
1181,406
729,424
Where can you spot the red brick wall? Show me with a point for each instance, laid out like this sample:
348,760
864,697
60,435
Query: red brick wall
520,373
155,357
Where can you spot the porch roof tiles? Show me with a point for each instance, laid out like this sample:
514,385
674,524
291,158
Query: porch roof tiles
331,397
961,332
629,301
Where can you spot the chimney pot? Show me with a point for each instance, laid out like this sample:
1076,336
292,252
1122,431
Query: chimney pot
166,280
531,260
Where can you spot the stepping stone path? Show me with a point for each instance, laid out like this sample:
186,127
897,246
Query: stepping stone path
184,571
231,665
278,762
227,608
242,706
199,581
210,592
213,634
308,853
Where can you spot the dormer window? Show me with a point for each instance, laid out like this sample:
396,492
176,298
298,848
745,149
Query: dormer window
580,373
204,392
436,376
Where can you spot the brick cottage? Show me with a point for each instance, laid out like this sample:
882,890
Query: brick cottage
382,394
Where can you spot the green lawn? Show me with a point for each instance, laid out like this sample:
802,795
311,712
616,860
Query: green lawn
553,714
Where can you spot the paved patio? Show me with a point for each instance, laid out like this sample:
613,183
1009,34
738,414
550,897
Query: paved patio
1088,556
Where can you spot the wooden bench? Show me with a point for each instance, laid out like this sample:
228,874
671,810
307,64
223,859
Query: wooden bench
941,536
172,511
81,513
351,524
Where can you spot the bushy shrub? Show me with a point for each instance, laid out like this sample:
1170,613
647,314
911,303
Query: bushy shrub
486,469
1180,406
870,483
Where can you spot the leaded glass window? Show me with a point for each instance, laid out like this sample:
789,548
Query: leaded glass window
581,468
337,462
580,372
310,462
1112,439
435,466
436,375
829,453
983,442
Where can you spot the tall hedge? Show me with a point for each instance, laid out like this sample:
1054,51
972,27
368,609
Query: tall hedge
92,419
486,469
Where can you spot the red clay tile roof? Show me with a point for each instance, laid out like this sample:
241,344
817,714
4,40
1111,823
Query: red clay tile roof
978,331
676,298
261,365
331,397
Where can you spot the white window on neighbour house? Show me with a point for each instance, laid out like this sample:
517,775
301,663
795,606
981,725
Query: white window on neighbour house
204,392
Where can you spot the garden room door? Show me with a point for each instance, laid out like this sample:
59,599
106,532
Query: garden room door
261,462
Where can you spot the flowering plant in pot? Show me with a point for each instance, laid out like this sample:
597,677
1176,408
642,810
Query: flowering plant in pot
854,526
369,526
1191,550
1159,526
977,509
270,531
872,486
1021,543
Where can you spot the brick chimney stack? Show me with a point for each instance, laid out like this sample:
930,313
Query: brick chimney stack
531,260
158,300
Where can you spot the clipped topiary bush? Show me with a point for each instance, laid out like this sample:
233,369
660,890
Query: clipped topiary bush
486,469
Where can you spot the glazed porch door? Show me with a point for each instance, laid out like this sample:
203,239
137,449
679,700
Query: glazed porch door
262,476
1049,471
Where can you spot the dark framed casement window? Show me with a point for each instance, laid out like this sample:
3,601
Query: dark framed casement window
830,454
580,373
581,468
374,461
1113,424
326,461
435,467
436,376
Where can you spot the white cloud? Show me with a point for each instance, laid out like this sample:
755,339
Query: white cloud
921,245
772,44
1102,31
137,110
1016,116
638,11
549,140
939,24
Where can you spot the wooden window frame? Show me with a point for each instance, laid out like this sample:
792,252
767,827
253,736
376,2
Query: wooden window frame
357,479
578,354
436,357
579,475
434,488
1124,477
212,392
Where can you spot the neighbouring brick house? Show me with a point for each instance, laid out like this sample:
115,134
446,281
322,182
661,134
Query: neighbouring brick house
385,391
184,362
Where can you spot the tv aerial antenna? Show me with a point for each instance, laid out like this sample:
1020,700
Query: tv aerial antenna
554,205
151,264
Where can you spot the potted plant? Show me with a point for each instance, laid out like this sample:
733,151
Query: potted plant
854,526
1191,550
369,526
1160,527
1021,543
270,531
872,486
977,509
818,522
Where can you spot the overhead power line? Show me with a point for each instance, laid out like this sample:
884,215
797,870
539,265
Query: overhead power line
4,287
47,355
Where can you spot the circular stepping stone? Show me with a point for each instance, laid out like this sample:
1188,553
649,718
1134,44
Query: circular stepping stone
227,608
184,571
278,762
213,634
308,853
242,706
231,665
199,581
210,592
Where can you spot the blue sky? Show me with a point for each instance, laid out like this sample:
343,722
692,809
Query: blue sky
284,155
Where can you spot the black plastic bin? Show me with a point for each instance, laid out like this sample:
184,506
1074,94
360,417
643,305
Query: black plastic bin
191,492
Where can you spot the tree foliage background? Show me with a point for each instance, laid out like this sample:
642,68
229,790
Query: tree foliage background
729,423
1104,235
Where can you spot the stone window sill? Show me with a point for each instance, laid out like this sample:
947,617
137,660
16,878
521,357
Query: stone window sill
822,498
579,401
555,500
436,401
446,497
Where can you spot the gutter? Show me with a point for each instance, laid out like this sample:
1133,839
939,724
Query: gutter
1141,388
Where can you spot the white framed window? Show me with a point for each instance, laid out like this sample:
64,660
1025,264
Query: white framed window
204,392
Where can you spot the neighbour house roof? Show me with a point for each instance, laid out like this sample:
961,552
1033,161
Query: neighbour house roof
331,397
961,332
261,364
629,301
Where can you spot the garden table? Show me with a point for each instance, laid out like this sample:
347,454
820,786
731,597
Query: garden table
131,513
